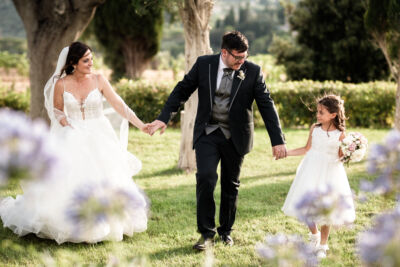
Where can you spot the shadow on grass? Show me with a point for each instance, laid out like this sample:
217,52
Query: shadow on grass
172,252
173,170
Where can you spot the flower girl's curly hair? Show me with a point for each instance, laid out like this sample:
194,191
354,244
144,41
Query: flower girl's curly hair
334,104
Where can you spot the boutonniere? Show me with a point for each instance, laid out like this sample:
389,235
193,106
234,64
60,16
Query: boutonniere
241,75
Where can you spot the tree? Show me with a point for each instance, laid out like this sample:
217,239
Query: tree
382,19
130,40
50,25
332,42
195,16
230,19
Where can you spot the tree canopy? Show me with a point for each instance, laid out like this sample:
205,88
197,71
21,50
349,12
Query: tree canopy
330,43
129,39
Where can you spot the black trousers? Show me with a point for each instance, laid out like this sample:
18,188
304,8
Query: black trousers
210,150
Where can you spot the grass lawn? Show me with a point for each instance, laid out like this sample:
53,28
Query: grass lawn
172,225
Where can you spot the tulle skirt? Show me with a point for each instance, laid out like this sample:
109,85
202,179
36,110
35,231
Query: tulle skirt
93,159
317,170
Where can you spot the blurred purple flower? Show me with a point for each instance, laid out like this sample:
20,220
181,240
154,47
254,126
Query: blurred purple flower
324,206
287,250
27,150
94,204
380,245
384,160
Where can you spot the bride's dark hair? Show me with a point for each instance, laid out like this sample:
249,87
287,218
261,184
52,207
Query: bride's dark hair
76,51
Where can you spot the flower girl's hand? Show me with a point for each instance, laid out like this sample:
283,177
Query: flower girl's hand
279,151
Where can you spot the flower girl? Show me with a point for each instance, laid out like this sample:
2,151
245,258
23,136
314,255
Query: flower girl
322,168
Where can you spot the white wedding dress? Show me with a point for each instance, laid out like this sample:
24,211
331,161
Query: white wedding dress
93,159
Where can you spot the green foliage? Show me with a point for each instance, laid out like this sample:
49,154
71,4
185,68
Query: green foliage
272,72
366,105
382,19
19,62
145,99
129,39
331,44
13,45
14,100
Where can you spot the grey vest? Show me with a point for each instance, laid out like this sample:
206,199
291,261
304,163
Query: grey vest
220,108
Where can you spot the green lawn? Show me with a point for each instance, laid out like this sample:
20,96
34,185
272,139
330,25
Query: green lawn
172,226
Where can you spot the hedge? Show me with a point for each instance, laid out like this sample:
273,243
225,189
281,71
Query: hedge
14,100
367,104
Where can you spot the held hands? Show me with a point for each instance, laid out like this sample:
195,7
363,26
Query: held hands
155,125
279,151
145,128
151,128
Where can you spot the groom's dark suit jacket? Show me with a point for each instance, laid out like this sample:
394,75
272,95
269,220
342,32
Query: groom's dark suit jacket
203,76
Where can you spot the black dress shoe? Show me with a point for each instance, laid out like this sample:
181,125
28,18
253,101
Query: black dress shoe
227,240
203,243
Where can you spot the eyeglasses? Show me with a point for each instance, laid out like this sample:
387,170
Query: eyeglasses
238,58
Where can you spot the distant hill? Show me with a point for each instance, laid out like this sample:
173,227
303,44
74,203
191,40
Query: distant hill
10,22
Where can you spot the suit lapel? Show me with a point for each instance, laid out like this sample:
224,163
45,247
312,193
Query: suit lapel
236,83
212,77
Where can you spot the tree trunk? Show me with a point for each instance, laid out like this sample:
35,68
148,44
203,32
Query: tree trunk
195,15
136,58
379,40
50,25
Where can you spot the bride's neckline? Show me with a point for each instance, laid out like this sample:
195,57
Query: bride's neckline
84,99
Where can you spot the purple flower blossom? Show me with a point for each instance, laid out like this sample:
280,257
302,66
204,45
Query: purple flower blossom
27,150
287,250
380,245
94,204
324,206
384,160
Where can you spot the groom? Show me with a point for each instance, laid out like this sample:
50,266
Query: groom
223,132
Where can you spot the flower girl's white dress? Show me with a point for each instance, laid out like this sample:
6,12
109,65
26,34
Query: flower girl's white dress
95,160
321,167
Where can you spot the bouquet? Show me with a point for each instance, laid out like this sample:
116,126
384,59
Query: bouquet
353,146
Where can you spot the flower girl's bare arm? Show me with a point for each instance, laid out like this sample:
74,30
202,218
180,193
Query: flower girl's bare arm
302,150
118,104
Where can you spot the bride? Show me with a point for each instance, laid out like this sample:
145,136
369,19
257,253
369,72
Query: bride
95,160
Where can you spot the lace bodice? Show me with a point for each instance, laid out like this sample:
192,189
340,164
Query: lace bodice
323,144
90,108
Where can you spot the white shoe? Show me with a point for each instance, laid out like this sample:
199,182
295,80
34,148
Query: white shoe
314,239
321,251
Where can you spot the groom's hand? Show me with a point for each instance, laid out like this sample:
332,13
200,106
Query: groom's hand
155,125
279,151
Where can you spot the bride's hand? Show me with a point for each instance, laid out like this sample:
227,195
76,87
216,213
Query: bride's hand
146,128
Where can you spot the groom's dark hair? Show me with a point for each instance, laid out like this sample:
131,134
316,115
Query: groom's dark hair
235,40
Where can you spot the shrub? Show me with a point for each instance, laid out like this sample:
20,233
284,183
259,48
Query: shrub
14,100
19,62
367,105
145,99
